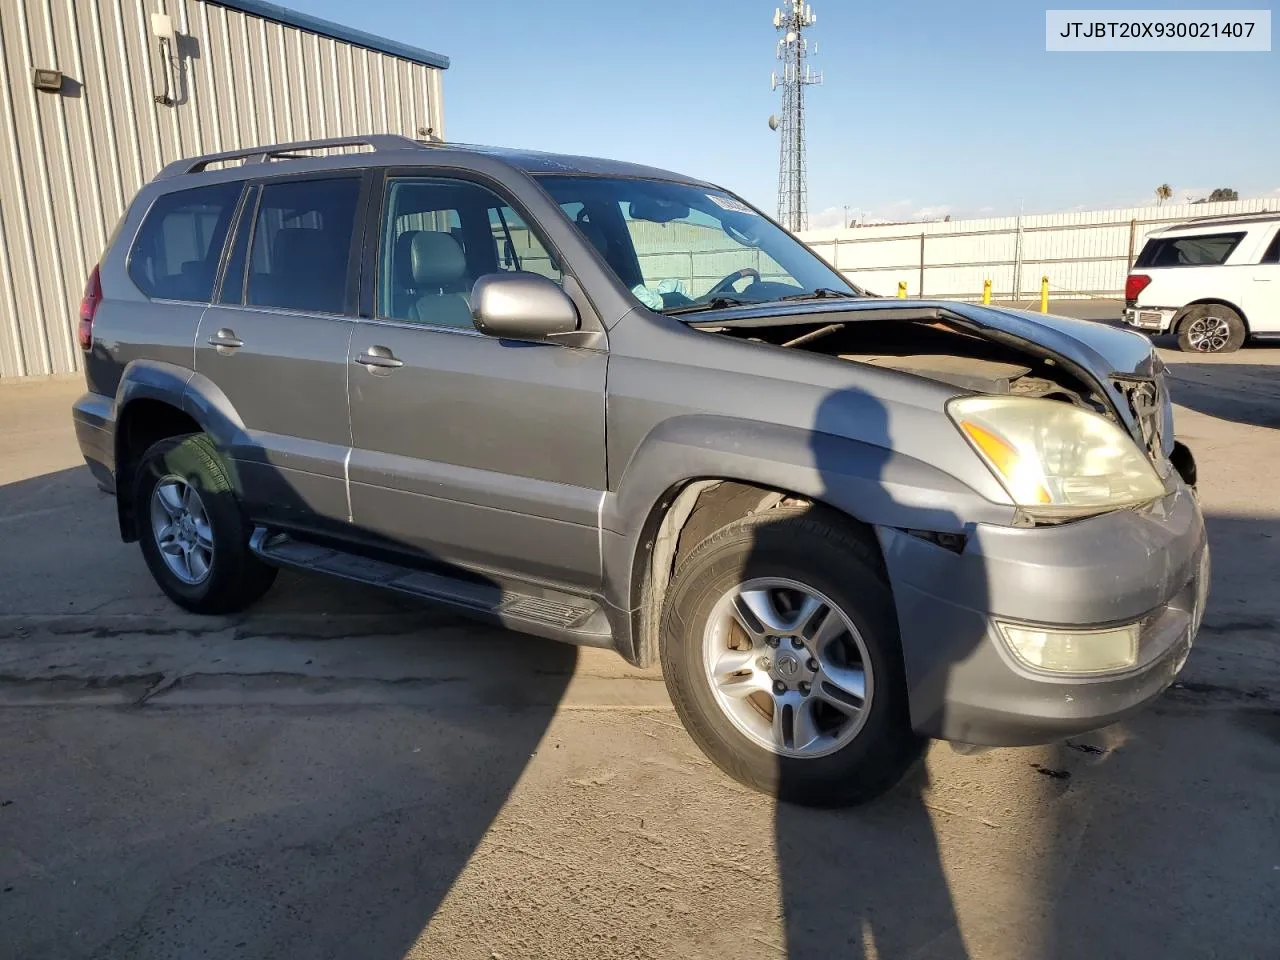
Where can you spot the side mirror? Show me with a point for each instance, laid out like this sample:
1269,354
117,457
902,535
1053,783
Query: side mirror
521,306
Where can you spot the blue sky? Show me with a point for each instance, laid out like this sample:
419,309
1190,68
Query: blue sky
927,107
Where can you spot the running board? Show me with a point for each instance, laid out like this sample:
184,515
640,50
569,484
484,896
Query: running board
545,613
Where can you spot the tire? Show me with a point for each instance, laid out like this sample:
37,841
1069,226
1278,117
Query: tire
227,577
1211,328
830,560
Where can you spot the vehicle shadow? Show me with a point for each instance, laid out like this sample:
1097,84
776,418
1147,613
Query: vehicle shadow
319,811
1246,393
841,895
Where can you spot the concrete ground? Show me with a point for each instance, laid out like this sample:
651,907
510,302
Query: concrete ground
341,773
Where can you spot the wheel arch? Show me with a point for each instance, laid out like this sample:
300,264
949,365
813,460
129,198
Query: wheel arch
1181,315
863,481
157,400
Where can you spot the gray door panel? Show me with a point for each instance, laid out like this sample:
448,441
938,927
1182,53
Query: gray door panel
288,382
480,451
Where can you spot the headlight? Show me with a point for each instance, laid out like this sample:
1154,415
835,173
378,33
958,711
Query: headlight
1056,457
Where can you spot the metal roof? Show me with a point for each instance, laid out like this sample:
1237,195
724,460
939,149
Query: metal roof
327,28
535,161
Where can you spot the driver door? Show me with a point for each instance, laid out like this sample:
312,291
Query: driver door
482,453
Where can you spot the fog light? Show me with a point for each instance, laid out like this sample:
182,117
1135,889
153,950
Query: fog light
1073,651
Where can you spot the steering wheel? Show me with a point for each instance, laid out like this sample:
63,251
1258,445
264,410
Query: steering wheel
725,285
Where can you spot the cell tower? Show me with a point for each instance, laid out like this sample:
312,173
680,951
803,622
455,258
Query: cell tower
793,51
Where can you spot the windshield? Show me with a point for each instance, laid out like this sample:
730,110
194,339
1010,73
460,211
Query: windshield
680,247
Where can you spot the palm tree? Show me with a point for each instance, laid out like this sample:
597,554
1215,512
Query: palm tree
1163,193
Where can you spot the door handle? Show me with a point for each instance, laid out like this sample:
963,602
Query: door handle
378,358
226,341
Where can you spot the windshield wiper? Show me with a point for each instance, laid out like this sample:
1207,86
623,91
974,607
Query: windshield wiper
717,303
822,293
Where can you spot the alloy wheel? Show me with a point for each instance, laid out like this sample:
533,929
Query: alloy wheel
788,667
180,525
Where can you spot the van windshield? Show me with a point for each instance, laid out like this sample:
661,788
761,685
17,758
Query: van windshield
679,247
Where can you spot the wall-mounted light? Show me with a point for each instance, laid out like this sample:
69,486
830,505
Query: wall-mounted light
162,30
50,81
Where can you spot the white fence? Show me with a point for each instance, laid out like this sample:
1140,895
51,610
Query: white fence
1084,254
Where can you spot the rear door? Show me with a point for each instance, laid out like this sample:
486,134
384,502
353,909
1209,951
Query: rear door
1262,295
483,453
275,344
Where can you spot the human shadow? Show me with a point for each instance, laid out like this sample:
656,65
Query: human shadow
319,811
841,895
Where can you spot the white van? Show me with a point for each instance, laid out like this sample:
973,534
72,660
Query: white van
1214,282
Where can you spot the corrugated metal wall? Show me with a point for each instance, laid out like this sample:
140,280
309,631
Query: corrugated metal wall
1084,254
71,161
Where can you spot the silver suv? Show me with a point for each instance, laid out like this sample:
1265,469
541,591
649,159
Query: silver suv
615,406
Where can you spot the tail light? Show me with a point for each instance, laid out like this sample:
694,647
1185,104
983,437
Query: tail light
1136,283
88,307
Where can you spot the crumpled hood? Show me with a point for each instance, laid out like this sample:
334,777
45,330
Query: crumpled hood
1096,346
1102,352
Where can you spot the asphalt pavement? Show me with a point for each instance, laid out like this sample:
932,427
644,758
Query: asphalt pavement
343,773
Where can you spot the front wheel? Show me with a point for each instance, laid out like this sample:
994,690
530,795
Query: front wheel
1211,328
780,650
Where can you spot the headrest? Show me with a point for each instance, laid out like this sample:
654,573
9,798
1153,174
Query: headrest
403,256
437,259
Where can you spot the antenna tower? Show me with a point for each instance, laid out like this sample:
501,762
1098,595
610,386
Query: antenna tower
793,52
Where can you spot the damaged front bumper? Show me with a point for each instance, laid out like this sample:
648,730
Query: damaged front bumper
1145,566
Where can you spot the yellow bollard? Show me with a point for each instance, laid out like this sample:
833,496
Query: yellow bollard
902,289
1044,294
986,292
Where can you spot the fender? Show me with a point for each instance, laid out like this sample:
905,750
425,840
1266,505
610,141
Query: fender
182,390
870,483
192,393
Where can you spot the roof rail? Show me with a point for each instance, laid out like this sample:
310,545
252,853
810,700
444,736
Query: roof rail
1234,217
287,151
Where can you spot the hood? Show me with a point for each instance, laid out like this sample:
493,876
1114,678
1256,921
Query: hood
1122,363
1100,349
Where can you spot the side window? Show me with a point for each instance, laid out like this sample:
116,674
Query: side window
1273,252
438,237
179,245
301,245
1202,251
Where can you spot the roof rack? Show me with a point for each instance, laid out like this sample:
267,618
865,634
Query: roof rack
1234,217
288,151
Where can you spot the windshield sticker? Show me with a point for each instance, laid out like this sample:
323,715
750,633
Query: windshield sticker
731,204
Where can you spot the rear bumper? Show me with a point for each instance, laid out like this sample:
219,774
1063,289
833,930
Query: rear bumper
95,422
1154,319
1148,565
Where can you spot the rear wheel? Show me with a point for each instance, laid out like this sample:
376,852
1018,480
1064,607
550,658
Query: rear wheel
780,650
193,536
1211,328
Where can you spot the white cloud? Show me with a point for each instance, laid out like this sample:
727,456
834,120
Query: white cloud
934,212
826,219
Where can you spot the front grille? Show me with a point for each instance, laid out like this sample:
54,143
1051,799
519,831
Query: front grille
1147,400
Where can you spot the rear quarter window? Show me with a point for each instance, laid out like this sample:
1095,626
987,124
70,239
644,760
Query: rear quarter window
1273,252
1207,250
176,252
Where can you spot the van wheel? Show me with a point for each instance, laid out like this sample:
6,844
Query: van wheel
779,645
1211,328
193,536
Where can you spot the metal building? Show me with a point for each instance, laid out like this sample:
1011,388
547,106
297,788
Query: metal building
97,95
